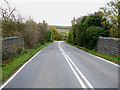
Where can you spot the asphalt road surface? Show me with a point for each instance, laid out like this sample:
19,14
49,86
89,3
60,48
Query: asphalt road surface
60,65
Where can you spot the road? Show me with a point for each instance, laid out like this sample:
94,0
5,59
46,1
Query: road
60,65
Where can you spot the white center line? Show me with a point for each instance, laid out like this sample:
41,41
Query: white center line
77,76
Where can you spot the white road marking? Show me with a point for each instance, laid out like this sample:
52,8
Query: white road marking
100,58
105,60
77,76
19,70
79,71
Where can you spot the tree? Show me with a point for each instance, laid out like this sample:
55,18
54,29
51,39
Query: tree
31,34
83,19
55,35
69,37
94,20
11,25
112,12
92,34
81,33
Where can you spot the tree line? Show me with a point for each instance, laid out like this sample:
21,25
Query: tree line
13,24
105,23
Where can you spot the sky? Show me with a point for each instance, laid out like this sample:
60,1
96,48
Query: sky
57,12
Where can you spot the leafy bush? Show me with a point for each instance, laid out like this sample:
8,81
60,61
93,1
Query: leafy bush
114,32
92,34
31,35
55,35
48,36
69,37
81,31
42,28
92,20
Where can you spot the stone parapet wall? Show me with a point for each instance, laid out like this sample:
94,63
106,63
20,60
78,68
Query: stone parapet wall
110,46
12,45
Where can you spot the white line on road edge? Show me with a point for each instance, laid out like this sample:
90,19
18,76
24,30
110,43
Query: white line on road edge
19,70
98,57
105,60
77,76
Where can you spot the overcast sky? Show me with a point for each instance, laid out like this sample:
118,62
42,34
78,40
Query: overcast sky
57,12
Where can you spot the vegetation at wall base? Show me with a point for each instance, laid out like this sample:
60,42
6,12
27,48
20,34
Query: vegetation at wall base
107,57
9,68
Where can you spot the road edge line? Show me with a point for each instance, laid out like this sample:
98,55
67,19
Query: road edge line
98,57
20,69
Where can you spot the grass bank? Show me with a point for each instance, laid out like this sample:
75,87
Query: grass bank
107,57
10,66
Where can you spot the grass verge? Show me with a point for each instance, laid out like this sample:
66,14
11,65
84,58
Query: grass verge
107,57
9,67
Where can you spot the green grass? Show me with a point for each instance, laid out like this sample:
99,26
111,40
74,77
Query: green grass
107,57
11,66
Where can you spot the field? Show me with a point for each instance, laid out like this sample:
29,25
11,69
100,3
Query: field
63,30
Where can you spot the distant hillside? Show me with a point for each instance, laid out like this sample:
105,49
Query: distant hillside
63,30
62,27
